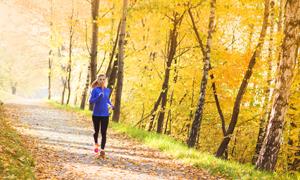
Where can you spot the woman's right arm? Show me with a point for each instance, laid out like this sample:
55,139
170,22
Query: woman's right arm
95,96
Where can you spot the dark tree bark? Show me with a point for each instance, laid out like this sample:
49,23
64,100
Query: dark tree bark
269,151
64,83
88,75
214,87
94,43
153,112
195,129
169,117
50,52
117,109
69,68
113,76
63,76
112,68
85,90
294,158
236,108
111,64
171,54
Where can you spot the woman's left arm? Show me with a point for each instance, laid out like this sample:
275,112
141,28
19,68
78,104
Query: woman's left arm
108,100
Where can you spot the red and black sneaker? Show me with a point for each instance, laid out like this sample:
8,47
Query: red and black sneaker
96,149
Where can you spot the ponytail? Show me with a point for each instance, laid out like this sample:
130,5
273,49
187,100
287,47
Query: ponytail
94,84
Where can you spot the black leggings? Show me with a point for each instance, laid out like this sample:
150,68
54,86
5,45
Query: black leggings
103,122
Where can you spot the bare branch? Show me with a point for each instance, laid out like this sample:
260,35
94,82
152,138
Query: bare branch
106,12
197,33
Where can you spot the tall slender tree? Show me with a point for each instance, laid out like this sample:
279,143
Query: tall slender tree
212,77
111,71
94,43
290,48
267,90
50,57
121,55
177,19
88,74
85,90
49,73
195,129
71,37
78,87
236,108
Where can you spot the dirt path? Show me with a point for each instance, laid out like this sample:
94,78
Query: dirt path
62,146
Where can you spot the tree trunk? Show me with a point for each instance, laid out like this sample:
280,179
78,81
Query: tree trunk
195,129
49,74
268,93
294,158
112,64
69,68
50,52
163,100
113,76
154,111
236,108
191,111
156,104
112,68
117,110
85,90
214,87
278,52
77,88
279,27
169,117
269,152
63,91
171,54
218,103
94,45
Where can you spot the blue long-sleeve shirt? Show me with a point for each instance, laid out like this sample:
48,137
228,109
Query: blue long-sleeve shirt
100,97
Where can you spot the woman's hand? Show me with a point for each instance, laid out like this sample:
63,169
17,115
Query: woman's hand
101,93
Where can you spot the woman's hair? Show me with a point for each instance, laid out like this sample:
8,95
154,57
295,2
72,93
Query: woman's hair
95,82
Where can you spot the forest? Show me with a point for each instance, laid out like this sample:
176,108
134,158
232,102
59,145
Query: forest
221,76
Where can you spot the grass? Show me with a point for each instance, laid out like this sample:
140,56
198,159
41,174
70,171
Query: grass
178,150
15,161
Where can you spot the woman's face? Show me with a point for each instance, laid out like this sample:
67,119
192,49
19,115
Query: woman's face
101,80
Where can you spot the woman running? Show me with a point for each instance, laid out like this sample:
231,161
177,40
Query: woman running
100,98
